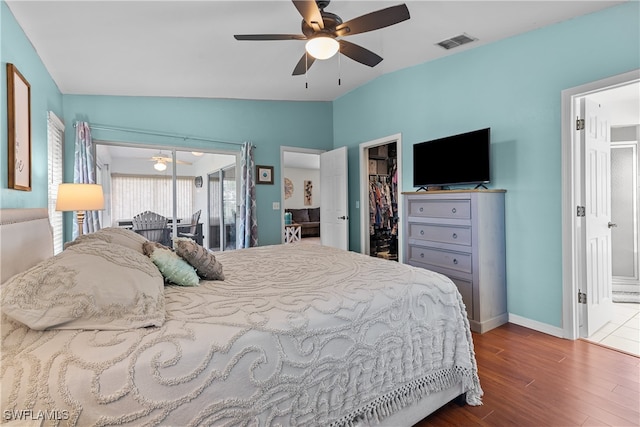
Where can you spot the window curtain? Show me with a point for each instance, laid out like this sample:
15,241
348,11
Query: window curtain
84,172
248,235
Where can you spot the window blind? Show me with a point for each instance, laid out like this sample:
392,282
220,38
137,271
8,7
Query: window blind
55,163
134,194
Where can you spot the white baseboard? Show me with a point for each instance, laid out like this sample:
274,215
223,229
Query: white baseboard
536,326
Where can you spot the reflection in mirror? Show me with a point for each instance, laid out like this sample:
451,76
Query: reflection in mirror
139,179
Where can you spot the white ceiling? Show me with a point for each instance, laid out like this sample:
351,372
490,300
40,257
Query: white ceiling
144,153
187,49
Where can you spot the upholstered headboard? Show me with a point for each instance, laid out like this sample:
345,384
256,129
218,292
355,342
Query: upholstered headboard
25,240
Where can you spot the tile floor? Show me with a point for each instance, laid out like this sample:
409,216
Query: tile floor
623,332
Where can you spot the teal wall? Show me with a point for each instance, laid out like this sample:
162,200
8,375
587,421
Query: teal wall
513,86
268,124
16,49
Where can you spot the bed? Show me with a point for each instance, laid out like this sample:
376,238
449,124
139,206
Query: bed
296,335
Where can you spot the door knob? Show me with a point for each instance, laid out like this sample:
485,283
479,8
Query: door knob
612,224
343,217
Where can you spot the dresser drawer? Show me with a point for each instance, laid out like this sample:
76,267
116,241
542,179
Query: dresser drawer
441,233
455,209
466,291
448,259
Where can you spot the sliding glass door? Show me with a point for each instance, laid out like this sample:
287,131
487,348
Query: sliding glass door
222,208
229,206
215,211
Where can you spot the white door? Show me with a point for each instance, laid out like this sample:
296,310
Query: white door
597,199
334,199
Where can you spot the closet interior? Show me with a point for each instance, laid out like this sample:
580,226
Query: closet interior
383,201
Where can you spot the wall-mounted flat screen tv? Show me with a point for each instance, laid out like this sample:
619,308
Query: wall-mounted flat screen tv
453,160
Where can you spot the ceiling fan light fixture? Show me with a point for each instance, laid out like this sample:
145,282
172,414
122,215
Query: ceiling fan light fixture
160,166
322,47
197,153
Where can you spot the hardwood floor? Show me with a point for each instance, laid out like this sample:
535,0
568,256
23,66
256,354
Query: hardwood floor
533,379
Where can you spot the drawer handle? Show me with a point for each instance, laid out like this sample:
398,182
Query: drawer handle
422,232
421,209
455,236
455,261
453,210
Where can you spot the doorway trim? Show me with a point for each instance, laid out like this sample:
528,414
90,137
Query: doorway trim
573,246
364,190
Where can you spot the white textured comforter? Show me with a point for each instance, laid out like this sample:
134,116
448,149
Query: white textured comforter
295,335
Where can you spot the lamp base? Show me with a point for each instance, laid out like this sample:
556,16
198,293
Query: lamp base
80,215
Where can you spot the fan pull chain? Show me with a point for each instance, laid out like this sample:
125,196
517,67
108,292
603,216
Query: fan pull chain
339,68
306,69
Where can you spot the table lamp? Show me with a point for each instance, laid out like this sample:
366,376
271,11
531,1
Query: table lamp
80,198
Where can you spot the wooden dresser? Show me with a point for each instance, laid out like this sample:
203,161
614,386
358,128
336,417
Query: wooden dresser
460,233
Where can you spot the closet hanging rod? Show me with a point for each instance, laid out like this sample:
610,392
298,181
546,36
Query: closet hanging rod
163,134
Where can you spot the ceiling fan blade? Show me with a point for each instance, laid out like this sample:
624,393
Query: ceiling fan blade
163,159
310,13
374,20
359,53
303,65
270,37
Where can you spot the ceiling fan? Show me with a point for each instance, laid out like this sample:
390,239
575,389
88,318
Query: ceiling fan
161,162
322,29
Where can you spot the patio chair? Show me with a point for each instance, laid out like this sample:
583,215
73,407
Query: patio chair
153,227
191,230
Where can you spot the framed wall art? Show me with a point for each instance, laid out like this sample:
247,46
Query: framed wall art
308,193
264,174
288,188
19,130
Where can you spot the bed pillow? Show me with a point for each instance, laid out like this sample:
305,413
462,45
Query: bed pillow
200,258
95,285
120,236
148,247
299,216
174,269
314,214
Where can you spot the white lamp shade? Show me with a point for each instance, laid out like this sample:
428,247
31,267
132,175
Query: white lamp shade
322,47
80,197
160,166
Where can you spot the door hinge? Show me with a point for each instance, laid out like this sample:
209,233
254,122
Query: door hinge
580,211
579,124
582,297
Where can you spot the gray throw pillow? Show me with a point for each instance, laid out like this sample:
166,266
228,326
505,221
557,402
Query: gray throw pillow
200,258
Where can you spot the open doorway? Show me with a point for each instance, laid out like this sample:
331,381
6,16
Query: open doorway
380,187
575,261
301,189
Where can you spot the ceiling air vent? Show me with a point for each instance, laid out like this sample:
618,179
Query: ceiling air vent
456,41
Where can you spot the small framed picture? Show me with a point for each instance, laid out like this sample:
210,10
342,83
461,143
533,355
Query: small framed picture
19,126
264,174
